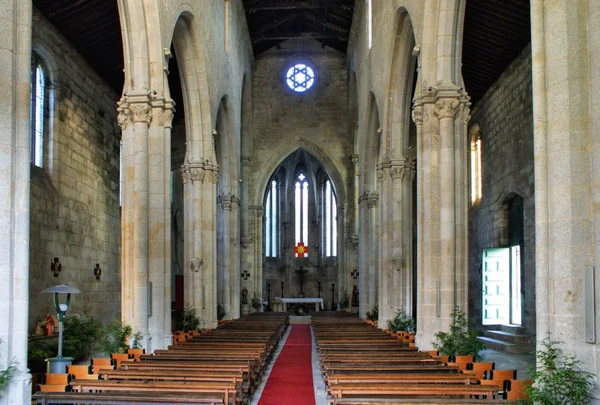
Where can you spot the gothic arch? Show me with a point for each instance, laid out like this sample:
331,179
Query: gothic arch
280,154
402,80
195,89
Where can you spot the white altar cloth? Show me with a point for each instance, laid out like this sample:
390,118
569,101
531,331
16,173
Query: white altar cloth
316,301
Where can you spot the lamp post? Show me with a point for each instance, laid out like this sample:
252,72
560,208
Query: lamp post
59,363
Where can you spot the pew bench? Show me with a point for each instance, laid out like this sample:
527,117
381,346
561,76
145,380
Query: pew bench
412,390
120,398
229,391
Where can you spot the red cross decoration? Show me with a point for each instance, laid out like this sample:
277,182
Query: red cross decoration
301,250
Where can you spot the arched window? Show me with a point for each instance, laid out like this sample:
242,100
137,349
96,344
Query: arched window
38,94
301,209
271,214
476,192
330,220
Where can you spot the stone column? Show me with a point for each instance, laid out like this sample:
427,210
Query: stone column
234,270
168,125
373,246
445,109
137,207
385,235
226,252
192,174
429,284
566,89
209,246
363,257
405,298
15,59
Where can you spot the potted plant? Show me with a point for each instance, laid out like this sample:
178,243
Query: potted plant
6,374
558,378
401,322
189,321
81,334
256,303
344,300
220,312
373,314
459,341
116,336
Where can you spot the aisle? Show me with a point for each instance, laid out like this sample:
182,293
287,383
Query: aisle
291,380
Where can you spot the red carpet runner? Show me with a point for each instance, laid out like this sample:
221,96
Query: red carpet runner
291,381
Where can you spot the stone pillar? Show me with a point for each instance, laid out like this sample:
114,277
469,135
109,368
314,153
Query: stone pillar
373,246
135,114
445,109
159,218
234,270
15,59
385,235
566,89
442,219
363,257
192,174
209,246
168,125
226,252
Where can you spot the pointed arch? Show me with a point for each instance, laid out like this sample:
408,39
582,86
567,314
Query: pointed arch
401,88
280,154
194,86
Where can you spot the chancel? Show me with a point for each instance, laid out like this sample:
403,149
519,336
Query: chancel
422,163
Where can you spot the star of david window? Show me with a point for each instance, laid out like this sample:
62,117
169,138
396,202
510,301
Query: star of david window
300,77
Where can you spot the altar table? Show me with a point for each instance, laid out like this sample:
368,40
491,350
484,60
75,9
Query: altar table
315,301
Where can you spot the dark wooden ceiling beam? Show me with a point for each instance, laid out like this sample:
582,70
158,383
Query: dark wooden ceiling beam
296,4
296,35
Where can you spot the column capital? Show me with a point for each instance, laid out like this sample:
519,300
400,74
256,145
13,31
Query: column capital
446,107
372,200
192,171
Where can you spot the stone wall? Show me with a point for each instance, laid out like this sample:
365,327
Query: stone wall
317,121
505,120
75,213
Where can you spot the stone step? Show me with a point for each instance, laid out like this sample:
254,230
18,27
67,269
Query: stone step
515,329
507,336
300,319
507,347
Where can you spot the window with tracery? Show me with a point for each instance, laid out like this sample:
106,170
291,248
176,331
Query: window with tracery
476,181
330,220
271,214
300,77
38,81
301,210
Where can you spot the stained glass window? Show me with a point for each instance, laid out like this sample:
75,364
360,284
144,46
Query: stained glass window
300,77
301,210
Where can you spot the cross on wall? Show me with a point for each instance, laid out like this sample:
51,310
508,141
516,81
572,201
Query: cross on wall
245,274
354,274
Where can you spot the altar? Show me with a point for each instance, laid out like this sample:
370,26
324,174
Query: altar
317,301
